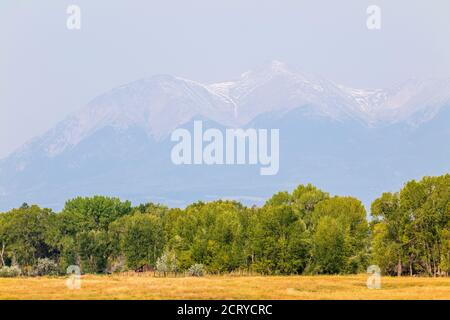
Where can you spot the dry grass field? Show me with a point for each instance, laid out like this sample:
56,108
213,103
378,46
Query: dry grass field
140,286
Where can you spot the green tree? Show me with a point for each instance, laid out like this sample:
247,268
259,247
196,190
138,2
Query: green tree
411,227
350,215
392,234
96,213
282,241
304,199
24,235
330,250
427,204
93,250
140,238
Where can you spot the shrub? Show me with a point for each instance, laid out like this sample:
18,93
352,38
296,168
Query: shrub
197,270
46,267
117,264
9,272
167,263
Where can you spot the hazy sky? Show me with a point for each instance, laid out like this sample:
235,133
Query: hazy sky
47,71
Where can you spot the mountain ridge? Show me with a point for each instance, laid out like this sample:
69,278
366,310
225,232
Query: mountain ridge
358,141
163,102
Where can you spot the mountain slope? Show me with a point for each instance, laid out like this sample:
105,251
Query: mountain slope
346,140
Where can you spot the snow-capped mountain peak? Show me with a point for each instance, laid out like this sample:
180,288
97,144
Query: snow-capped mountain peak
329,134
159,104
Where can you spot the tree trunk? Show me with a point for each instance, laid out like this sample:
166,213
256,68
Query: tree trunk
2,253
410,269
399,267
434,269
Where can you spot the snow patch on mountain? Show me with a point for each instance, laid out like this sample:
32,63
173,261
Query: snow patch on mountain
413,101
161,103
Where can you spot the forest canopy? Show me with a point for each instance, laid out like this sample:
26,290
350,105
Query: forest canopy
306,231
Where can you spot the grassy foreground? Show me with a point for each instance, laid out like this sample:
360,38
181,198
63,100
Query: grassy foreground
224,287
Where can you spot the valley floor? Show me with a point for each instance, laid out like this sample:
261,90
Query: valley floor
141,286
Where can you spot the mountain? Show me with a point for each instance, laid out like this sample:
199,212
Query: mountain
352,141
413,101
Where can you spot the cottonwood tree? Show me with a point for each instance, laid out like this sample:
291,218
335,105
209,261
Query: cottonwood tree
140,238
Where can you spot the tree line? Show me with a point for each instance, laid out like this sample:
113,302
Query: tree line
306,231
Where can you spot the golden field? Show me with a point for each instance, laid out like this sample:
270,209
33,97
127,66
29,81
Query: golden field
142,286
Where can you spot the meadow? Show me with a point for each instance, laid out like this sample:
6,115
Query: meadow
147,286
